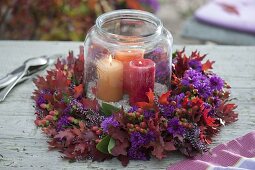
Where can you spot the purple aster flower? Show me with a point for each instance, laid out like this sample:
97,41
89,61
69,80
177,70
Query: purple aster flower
200,82
216,83
168,110
137,139
109,121
133,109
62,122
174,127
204,90
191,77
40,100
178,98
195,64
207,105
148,113
137,154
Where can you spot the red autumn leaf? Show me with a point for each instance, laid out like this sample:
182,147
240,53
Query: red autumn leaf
78,90
147,105
69,153
99,156
207,65
196,55
79,66
229,107
76,131
117,134
169,146
59,65
158,152
197,101
120,148
89,135
50,131
181,64
81,147
67,135
54,144
208,119
164,98
226,112
123,159
93,104
121,141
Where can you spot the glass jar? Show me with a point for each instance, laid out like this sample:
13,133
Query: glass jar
127,53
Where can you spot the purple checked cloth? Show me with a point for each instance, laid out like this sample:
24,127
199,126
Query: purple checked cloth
232,14
238,154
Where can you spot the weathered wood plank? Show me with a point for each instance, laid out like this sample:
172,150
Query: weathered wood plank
23,146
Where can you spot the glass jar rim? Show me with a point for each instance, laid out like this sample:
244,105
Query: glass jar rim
129,14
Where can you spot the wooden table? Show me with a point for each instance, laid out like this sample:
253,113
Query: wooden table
22,145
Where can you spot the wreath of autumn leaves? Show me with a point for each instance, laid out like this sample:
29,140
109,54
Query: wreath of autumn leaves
184,118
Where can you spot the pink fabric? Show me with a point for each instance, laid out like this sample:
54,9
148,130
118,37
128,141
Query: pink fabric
232,14
224,155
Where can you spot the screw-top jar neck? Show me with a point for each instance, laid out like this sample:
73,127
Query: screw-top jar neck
129,26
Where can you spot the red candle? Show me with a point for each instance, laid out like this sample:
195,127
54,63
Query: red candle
125,56
142,78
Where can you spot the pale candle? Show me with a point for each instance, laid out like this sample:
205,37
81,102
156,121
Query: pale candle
110,80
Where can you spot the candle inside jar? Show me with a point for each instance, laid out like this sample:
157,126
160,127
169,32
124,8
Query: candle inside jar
110,80
125,56
142,75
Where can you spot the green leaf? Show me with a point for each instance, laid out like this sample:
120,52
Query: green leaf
111,145
66,98
108,109
103,145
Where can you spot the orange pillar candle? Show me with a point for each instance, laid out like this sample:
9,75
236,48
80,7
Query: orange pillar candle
125,56
110,80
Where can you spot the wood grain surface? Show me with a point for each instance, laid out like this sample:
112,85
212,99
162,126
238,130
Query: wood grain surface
23,146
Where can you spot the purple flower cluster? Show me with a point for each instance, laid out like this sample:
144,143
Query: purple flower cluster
168,110
178,98
41,100
137,154
109,121
148,114
216,83
202,83
199,81
137,140
133,109
62,122
174,127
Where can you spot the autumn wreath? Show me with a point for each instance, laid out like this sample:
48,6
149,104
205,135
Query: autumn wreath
184,119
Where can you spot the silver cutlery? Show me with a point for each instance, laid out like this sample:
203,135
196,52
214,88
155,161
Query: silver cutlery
22,73
12,76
